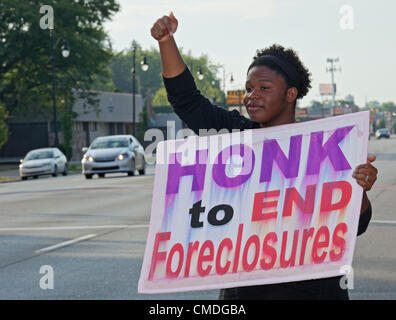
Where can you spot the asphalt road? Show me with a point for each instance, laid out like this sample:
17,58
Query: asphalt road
92,234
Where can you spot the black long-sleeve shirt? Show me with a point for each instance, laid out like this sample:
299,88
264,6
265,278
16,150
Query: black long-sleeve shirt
199,113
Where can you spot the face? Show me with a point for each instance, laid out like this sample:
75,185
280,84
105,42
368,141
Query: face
267,98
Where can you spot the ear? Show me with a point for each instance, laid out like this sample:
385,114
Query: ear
291,94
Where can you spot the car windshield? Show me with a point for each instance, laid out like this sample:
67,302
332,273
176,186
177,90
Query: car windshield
109,143
47,154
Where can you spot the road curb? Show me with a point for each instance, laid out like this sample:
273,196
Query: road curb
17,178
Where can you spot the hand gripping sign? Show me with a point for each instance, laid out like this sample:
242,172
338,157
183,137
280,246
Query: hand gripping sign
262,206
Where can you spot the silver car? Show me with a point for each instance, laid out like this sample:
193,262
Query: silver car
43,161
109,154
382,133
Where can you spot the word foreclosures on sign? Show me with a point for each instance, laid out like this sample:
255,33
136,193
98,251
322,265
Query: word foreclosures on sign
279,206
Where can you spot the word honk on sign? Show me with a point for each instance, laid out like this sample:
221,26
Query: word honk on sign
271,153
289,213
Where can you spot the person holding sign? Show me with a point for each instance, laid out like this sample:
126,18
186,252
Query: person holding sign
275,80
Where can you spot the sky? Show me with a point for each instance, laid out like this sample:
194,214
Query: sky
360,33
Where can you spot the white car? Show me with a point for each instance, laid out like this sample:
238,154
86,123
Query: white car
113,154
382,133
43,161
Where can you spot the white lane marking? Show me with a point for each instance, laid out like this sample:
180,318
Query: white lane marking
121,226
118,226
66,243
383,221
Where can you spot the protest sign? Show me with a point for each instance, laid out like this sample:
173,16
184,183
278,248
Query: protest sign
255,207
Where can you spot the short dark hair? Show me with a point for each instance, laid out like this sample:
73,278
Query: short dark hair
290,56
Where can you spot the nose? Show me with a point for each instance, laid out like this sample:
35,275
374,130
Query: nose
253,95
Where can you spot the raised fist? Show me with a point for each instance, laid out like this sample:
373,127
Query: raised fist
164,28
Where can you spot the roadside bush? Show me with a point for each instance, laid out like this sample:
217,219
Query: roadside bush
3,125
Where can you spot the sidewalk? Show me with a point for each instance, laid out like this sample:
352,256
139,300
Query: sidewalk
9,170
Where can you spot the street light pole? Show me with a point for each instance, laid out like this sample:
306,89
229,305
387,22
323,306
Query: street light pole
224,83
332,69
133,91
53,87
145,67
65,54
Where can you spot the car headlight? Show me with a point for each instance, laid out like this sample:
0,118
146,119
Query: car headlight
122,156
89,158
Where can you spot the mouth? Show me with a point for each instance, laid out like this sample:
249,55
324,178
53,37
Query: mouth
254,107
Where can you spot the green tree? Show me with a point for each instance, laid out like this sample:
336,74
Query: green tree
388,106
104,82
316,105
160,98
373,104
25,68
121,69
143,123
3,126
151,79
66,125
209,85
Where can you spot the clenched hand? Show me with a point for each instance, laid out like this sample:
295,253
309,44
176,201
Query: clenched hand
164,28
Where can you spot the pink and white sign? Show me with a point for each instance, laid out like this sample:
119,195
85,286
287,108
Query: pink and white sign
255,207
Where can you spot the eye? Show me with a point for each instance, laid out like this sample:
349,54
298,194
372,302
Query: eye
248,89
264,88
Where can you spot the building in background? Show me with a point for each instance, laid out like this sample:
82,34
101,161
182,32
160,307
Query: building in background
113,116
34,129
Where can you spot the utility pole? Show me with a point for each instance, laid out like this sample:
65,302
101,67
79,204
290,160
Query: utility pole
133,89
224,83
239,102
56,140
145,67
333,69
65,53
